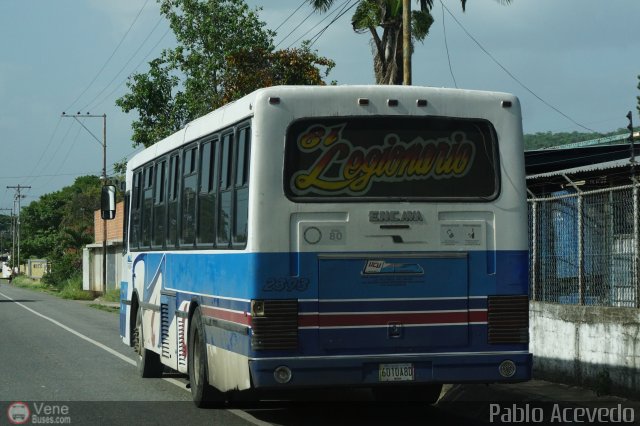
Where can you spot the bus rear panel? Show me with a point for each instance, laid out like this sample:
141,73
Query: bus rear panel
323,241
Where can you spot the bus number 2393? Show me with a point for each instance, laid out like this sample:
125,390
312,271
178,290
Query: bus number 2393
286,284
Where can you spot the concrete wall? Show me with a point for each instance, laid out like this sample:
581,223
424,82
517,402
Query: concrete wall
597,347
36,268
92,266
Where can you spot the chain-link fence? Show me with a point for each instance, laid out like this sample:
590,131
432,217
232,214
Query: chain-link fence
583,247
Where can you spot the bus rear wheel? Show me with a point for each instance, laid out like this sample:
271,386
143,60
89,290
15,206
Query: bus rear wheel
148,362
204,395
417,393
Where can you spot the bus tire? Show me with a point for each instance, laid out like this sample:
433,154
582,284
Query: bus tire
417,393
148,362
203,394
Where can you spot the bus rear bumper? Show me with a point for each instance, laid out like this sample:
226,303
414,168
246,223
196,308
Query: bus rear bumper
310,372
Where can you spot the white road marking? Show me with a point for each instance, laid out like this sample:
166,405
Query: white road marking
243,415
72,331
248,417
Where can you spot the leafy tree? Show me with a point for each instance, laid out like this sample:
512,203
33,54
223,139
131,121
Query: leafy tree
250,69
5,233
546,139
383,20
220,42
59,224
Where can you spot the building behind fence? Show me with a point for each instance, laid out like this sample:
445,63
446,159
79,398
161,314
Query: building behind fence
584,320
583,246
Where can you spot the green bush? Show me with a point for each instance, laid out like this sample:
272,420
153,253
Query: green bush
63,269
72,289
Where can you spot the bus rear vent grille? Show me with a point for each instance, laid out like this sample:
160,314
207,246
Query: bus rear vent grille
164,329
182,344
508,319
278,328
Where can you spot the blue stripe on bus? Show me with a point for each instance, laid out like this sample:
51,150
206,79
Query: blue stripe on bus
230,281
246,276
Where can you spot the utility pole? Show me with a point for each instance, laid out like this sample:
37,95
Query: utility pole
17,198
103,143
406,42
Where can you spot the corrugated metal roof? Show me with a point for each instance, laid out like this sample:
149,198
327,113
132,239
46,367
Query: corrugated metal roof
607,165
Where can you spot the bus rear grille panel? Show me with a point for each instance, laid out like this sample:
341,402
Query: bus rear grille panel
508,319
278,328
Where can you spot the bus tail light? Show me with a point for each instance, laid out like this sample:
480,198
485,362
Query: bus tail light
274,324
257,308
508,320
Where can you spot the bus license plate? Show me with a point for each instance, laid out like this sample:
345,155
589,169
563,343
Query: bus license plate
395,372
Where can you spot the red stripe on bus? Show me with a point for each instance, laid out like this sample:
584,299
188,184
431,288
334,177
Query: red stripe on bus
382,319
222,314
478,316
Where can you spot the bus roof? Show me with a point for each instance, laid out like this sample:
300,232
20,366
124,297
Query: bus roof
366,100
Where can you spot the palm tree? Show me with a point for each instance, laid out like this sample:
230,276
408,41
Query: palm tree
387,46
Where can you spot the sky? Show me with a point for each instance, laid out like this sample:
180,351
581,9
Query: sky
574,64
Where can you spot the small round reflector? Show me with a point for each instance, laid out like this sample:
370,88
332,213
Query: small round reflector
282,374
507,368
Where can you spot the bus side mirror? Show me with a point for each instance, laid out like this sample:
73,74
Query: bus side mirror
108,202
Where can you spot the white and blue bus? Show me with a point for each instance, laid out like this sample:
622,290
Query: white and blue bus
331,237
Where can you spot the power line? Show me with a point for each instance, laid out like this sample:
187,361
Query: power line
289,17
316,25
108,95
123,67
446,45
295,28
109,58
55,130
57,149
340,15
73,144
525,87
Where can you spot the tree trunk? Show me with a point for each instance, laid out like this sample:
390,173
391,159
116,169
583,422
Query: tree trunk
387,54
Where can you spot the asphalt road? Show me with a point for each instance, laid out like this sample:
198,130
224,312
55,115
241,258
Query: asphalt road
65,362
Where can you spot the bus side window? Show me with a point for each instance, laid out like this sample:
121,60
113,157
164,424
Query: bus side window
147,207
241,199
135,211
207,193
172,201
125,222
159,208
226,191
189,191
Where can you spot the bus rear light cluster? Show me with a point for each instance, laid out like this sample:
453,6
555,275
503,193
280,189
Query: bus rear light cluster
508,320
274,324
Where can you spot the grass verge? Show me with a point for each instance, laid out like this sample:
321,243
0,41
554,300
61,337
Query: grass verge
112,309
70,289
28,283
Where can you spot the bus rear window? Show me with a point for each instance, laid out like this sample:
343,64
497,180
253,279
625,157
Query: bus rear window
376,158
